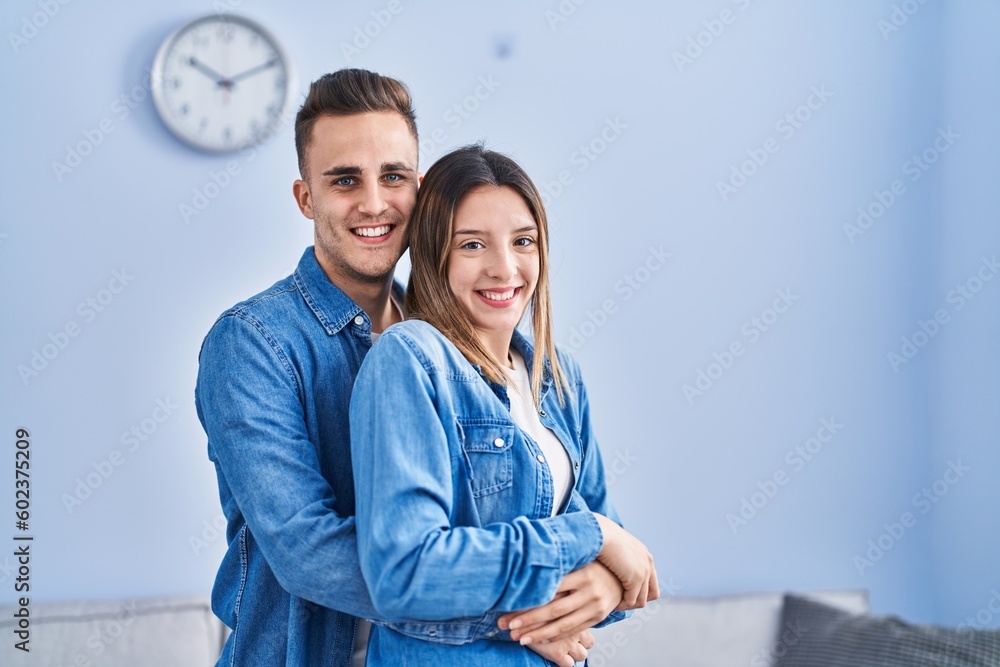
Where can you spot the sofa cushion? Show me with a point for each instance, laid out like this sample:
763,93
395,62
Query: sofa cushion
737,630
828,637
152,632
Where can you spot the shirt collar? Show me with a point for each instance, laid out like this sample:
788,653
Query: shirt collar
331,306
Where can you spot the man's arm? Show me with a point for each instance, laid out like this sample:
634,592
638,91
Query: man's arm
250,405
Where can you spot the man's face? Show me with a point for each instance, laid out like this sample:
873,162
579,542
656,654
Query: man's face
359,189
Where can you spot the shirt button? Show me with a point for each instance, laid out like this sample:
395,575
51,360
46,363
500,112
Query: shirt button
541,459
499,442
541,412
359,320
576,465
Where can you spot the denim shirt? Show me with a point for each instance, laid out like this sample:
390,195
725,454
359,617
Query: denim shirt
273,393
454,500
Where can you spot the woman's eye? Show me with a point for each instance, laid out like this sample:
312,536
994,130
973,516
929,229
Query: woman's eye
472,245
524,241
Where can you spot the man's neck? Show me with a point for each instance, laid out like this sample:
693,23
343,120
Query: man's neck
374,298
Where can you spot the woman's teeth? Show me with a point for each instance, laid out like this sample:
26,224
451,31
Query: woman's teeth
499,296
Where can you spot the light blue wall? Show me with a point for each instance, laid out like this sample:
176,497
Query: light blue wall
679,466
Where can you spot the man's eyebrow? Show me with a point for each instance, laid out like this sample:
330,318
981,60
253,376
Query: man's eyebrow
343,170
395,166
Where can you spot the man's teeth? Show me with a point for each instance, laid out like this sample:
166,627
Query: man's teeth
373,231
499,296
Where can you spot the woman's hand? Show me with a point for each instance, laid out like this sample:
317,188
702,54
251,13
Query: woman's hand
566,652
584,598
631,562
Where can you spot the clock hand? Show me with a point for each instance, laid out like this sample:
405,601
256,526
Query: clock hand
209,72
253,70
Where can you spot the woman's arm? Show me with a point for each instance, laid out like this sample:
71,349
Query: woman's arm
417,565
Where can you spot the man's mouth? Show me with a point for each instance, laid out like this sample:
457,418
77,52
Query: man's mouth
373,232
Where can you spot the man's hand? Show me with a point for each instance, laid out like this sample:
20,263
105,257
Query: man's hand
631,562
584,598
566,652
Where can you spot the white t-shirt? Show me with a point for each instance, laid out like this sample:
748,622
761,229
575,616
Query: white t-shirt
525,414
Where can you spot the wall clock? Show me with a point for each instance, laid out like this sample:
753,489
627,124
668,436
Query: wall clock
221,83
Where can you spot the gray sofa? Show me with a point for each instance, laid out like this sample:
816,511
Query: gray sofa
736,630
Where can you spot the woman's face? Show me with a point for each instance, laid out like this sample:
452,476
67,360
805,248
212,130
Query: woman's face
493,264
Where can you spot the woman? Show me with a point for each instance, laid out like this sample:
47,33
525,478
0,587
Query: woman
479,485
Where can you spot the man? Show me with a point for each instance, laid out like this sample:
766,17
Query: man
274,387
275,378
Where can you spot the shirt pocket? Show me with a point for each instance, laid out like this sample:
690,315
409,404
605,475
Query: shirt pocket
488,451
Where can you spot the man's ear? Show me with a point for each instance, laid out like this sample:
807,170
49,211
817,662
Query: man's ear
420,179
303,197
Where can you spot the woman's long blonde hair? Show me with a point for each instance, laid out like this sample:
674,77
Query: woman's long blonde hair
429,296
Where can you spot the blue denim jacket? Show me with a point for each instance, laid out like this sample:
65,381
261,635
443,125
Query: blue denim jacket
454,501
273,392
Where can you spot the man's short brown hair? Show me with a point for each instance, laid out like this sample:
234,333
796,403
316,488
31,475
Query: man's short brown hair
347,92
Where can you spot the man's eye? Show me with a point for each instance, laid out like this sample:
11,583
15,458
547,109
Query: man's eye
345,181
393,178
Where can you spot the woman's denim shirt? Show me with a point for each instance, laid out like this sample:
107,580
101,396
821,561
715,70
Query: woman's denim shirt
454,500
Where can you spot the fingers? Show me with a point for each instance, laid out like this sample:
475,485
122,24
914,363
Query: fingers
539,615
561,628
654,583
578,653
587,639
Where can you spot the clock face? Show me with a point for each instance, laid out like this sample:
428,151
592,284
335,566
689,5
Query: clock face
221,83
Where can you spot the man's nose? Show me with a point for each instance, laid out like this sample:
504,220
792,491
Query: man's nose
373,202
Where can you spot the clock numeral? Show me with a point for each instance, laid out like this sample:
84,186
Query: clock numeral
226,32
227,135
185,109
279,83
200,41
176,83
